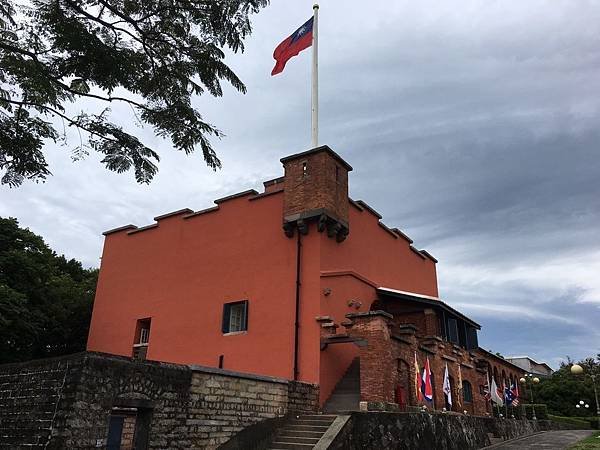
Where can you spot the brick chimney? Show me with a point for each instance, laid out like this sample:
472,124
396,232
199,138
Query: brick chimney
316,189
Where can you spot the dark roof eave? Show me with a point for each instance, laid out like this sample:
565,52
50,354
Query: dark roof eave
430,301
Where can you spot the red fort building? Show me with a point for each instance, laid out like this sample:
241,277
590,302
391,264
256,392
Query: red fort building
297,282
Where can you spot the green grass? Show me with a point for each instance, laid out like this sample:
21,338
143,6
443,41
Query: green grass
589,443
582,423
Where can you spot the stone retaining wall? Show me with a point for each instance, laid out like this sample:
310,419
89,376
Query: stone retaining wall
414,431
67,402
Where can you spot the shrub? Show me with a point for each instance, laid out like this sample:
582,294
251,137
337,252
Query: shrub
576,423
541,411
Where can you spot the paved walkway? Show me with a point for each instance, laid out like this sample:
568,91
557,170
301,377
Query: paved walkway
550,440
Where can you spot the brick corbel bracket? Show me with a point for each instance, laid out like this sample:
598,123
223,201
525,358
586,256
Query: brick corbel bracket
326,221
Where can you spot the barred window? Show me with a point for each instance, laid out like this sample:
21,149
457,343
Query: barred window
235,317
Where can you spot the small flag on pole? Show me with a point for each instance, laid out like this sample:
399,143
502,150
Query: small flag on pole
496,398
515,391
305,36
300,39
508,396
459,387
418,380
447,389
487,394
426,386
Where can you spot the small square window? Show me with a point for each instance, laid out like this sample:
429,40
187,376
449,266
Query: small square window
235,317
142,338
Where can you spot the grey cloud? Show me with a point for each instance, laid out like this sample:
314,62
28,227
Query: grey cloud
473,128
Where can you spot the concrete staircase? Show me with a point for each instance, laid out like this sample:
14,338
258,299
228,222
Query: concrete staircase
302,432
346,395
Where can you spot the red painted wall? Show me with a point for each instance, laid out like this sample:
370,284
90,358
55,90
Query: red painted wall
375,254
181,272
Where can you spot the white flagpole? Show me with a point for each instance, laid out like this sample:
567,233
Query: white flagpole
315,79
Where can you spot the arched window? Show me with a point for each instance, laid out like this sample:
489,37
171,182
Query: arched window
467,391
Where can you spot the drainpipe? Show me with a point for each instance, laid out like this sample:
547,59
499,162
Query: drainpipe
297,323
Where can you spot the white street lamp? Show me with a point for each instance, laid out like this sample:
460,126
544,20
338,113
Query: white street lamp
576,369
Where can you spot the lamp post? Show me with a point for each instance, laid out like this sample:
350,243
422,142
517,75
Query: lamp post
576,369
529,380
582,404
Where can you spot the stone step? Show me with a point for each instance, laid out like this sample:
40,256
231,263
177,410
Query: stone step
294,446
300,433
346,391
319,417
348,386
336,403
318,428
344,395
297,440
343,407
310,422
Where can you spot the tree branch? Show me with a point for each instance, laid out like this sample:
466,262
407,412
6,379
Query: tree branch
58,113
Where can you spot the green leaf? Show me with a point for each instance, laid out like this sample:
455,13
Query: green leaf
79,85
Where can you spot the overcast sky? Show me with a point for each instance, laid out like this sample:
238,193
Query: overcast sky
473,126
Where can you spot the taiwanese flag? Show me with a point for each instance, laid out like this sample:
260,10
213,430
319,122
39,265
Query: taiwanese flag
298,41
426,386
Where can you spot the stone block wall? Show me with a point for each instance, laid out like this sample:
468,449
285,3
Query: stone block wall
67,402
428,431
29,401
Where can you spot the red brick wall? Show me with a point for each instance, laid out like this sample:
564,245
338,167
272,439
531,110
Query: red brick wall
386,361
377,363
317,187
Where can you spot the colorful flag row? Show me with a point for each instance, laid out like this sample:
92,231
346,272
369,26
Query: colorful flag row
508,395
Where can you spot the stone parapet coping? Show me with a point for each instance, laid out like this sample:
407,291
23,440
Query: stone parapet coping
401,339
334,429
234,374
174,213
427,350
407,329
119,358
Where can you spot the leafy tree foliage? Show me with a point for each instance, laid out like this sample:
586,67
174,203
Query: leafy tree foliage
563,390
153,55
45,299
